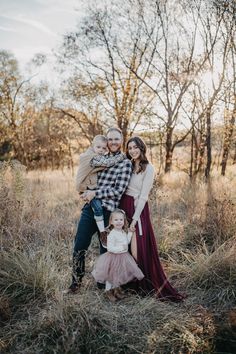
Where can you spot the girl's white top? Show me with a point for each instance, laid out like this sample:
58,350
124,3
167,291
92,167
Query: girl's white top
118,241
139,188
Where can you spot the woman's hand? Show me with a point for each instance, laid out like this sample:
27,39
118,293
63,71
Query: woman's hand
132,225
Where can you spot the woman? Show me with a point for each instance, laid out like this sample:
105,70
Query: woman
143,244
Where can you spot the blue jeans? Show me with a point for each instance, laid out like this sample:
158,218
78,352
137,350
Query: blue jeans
87,227
96,205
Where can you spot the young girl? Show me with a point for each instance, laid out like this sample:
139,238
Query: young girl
117,267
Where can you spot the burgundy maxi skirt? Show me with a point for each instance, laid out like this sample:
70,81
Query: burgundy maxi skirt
155,281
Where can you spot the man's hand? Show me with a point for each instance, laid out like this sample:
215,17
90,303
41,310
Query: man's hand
87,196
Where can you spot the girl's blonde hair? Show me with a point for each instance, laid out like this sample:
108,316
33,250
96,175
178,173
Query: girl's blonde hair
118,211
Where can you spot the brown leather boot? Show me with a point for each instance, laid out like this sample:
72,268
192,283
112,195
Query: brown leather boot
74,287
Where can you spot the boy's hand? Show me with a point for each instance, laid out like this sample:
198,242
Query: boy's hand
87,196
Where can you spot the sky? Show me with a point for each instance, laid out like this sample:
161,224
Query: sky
28,27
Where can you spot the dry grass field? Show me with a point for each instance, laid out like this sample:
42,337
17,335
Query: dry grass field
195,227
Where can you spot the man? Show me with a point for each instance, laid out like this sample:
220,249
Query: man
112,182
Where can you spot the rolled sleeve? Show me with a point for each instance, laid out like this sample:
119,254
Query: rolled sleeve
106,160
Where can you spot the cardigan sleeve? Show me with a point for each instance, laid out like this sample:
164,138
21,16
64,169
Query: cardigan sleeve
84,169
129,236
145,190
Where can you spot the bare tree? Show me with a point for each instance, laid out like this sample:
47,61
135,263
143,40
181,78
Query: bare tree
11,102
31,129
174,61
93,53
230,102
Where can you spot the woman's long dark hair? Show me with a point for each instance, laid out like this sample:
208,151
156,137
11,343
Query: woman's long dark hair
141,145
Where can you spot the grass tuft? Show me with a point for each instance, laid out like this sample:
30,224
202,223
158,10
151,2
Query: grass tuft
195,227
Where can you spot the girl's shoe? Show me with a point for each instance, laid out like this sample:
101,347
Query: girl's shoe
110,295
119,294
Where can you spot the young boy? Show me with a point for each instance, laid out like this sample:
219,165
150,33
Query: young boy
86,178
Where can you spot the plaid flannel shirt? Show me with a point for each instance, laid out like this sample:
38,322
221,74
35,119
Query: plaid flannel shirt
112,182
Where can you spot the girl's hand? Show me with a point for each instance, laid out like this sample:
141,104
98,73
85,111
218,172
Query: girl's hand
132,225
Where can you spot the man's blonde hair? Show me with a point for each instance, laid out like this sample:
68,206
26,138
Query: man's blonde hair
115,129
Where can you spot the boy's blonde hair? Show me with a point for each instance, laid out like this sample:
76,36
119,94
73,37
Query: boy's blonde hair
99,137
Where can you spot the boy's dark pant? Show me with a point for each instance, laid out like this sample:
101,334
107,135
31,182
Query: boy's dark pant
97,208
87,227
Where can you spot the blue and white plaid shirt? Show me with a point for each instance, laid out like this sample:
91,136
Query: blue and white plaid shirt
112,182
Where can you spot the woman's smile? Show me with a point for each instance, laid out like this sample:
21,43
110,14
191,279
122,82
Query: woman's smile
134,150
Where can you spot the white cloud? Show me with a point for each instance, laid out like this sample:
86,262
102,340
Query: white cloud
28,27
36,24
58,3
7,29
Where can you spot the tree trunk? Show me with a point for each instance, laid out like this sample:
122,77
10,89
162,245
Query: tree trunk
195,156
161,154
227,141
224,158
191,155
125,134
169,150
208,143
234,158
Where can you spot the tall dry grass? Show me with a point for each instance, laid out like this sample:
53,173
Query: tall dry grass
195,228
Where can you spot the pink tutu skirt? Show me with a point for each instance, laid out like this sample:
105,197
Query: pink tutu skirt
117,268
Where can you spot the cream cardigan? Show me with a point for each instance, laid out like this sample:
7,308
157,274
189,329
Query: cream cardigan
86,176
118,241
139,188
